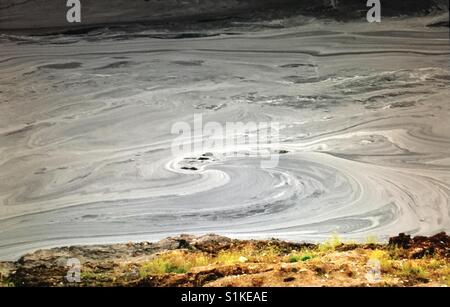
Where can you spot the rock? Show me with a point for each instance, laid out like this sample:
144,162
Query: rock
421,246
180,242
243,259
402,240
212,243
289,279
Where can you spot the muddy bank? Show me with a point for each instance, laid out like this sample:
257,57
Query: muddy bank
213,260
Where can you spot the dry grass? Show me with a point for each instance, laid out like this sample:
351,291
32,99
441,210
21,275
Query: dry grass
386,263
326,263
269,263
247,254
174,262
394,264
330,244
181,261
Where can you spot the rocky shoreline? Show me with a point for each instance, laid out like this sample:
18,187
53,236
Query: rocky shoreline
213,260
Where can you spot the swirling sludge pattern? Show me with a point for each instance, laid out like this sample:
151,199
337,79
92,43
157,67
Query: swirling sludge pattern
85,135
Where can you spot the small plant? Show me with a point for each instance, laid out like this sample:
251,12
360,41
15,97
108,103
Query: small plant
303,255
306,257
411,269
87,275
92,276
435,264
330,244
297,258
397,253
5,283
386,263
268,255
371,240
294,258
